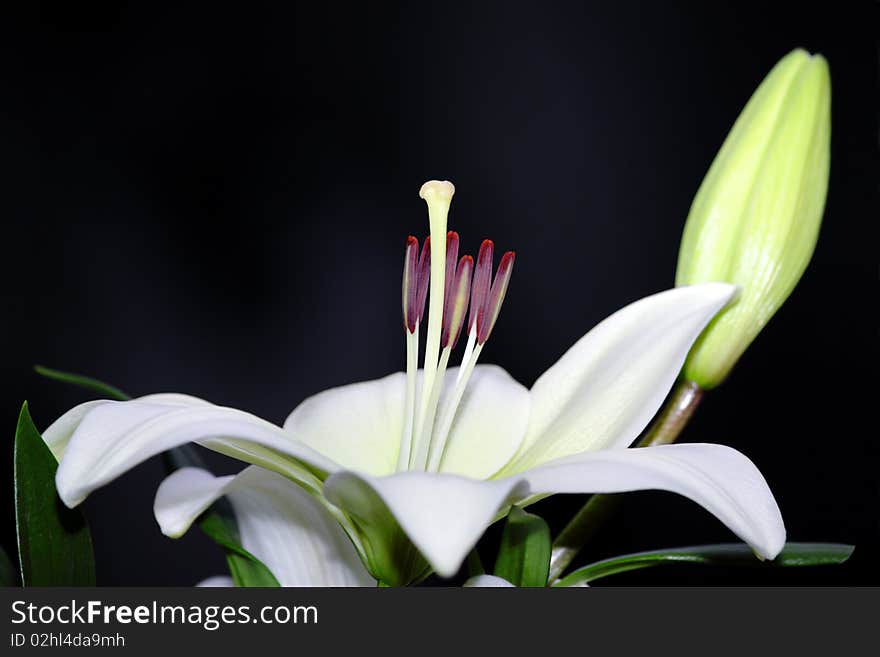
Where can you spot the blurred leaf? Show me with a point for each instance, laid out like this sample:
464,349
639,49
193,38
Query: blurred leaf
54,543
722,554
8,572
524,555
103,389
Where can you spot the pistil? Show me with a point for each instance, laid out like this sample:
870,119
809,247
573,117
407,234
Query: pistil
438,195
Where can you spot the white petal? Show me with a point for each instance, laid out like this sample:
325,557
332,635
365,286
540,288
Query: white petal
58,434
489,425
284,527
605,389
443,515
173,399
718,478
358,426
184,495
488,581
116,436
217,581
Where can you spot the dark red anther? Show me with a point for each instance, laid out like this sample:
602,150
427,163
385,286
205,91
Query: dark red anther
456,303
416,275
489,315
482,281
424,279
451,259
410,282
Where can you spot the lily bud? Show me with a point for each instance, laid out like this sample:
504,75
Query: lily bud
755,219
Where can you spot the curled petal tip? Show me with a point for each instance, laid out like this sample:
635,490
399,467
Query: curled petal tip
774,544
71,497
726,291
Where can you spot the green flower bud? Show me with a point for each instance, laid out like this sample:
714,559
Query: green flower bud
755,219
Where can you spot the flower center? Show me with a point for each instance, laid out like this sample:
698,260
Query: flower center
455,284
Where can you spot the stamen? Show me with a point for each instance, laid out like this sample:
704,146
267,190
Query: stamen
489,312
422,448
453,320
415,289
424,278
468,349
482,282
479,294
438,445
409,404
482,323
451,259
457,296
410,283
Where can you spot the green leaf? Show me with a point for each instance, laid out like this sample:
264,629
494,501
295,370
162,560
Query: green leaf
219,523
245,568
474,565
8,572
54,543
524,555
103,389
723,554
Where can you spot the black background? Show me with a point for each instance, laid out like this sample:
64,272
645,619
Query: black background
213,199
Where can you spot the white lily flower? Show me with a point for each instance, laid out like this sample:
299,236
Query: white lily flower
416,465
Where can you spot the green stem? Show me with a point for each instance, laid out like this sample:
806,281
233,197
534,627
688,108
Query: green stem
580,531
670,422
674,415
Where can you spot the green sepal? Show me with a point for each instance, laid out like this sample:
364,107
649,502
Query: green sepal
524,555
54,542
793,555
